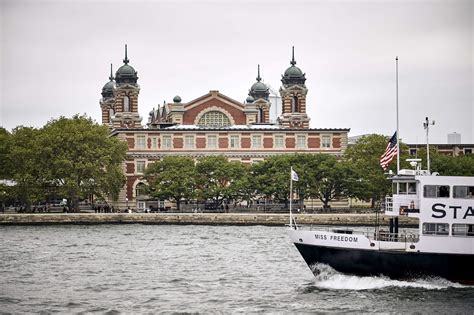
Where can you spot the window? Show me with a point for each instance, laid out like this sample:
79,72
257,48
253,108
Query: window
141,142
140,167
294,104
467,151
111,114
435,228
214,119
126,104
402,188
260,115
279,141
463,192
301,141
463,230
325,141
154,143
413,151
212,142
434,191
166,142
189,142
234,142
256,141
140,189
412,188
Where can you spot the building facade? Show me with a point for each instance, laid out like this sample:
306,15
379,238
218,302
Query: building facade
212,124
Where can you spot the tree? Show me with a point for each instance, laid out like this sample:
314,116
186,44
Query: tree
172,178
371,182
80,158
217,178
272,177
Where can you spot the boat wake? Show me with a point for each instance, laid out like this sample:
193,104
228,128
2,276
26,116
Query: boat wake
328,278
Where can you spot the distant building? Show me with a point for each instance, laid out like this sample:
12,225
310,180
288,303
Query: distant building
212,124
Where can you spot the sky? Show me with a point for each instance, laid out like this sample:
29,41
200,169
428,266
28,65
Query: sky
55,58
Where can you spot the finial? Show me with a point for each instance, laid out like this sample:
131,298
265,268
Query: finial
258,76
293,62
125,61
111,78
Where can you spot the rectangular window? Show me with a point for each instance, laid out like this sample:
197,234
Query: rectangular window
279,141
463,192
402,188
413,151
140,167
325,141
166,142
234,142
436,228
301,141
256,141
212,142
435,191
189,142
463,230
467,151
154,143
141,142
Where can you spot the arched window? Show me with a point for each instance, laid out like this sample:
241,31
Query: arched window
294,104
140,190
261,115
126,104
214,119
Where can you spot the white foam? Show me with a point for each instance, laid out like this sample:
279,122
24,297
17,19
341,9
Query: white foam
328,278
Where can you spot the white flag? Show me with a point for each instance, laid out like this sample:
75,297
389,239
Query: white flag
294,176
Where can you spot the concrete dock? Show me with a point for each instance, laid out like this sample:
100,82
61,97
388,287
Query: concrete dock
196,218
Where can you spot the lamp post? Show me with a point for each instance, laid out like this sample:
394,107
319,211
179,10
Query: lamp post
427,124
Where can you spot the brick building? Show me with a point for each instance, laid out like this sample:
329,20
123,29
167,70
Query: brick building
212,124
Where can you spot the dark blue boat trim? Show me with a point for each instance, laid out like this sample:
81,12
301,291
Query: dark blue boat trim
393,264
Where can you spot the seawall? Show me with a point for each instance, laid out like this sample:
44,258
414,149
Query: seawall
197,218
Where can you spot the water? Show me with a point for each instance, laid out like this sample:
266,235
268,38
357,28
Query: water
204,269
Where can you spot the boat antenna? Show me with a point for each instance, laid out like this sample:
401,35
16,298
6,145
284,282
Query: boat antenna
426,125
398,129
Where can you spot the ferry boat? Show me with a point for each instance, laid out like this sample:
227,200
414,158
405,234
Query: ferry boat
442,246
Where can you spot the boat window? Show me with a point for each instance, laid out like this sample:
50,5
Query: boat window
402,188
435,228
412,188
394,188
434,191
463,192
463,229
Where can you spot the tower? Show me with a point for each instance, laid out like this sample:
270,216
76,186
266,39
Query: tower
293,94
126,97
258,97
107,102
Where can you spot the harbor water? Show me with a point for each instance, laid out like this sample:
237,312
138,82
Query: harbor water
186,268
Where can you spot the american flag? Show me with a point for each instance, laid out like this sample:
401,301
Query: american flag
390,152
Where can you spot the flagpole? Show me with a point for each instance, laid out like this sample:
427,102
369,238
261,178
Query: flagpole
398,131
291,193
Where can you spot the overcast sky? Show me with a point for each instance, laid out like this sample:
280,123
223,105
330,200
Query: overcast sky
55,58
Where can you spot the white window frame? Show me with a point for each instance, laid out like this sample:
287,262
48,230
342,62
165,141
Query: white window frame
137,171
324,144
140,144
275,143
304,143
154,143
215,144
255,144
164,144
189,144
237,144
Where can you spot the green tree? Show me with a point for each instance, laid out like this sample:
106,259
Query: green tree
272,178
217,178
22,156
80,158
448,165
172,178
371,182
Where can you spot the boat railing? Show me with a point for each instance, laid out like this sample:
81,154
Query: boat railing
371,233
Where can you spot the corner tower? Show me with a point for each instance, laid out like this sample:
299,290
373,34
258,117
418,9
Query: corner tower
258,98
107,102
293,95
126,97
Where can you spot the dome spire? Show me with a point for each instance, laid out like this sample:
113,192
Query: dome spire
111,78
125,61
293,62
258,74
